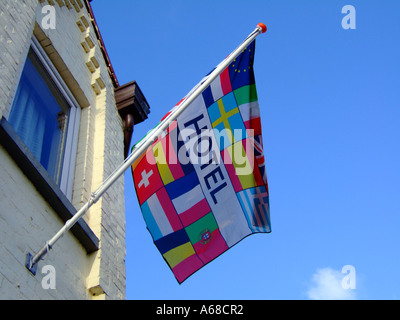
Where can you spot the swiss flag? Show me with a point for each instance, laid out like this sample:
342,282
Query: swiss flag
146,176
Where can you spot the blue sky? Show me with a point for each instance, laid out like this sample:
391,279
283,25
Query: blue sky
330,111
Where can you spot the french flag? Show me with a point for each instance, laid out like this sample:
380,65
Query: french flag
188,198
220,87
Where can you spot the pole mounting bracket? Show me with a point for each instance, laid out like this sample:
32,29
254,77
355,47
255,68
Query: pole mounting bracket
32,267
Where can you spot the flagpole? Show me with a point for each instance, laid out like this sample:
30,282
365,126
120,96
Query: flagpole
32,260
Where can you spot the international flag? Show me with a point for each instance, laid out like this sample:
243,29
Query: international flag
202,184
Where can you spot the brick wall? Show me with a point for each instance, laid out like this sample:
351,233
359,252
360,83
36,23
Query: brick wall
26,220
16,26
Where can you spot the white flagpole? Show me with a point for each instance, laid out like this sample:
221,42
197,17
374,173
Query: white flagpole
31,262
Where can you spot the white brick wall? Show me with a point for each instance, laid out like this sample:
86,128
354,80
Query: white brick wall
16,25
26,220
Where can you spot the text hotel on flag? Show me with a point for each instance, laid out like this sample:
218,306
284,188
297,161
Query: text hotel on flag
202,185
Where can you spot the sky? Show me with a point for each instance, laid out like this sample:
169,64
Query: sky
330,110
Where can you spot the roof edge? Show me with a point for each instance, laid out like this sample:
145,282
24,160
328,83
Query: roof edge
102,45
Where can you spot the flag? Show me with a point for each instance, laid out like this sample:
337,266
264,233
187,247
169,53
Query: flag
202,185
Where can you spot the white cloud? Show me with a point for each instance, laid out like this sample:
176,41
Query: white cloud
326,284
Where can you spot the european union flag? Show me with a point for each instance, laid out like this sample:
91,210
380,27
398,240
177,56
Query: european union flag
241,69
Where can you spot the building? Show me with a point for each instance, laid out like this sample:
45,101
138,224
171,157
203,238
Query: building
66,124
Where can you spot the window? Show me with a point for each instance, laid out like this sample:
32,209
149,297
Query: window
46,117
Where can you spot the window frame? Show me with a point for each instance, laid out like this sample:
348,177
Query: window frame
71,143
